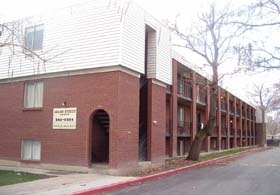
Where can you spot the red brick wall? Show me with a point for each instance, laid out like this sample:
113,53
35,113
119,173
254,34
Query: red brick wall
156,122
115,92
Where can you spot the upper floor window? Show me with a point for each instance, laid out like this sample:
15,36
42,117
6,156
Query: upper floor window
34,37
33,94
181,116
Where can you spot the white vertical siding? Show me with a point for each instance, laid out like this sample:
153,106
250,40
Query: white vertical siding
133,37
151,54
99,33
164,62
163,71
88,35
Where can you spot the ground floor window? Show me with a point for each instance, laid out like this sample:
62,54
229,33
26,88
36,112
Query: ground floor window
30,150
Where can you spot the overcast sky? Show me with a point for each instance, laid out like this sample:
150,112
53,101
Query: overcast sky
161,9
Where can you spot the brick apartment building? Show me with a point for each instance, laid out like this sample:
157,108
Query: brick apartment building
113,92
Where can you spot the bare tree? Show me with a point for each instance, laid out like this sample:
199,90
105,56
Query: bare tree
273,127
262,52
212,38
14,46
265,99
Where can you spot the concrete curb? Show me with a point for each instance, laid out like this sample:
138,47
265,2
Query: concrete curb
139,180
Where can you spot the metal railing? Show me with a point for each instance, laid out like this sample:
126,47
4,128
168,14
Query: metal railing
184,128
184,88
223,106
168,127
231,109
224,131
214,133
238,111
238,132
201,97
232,131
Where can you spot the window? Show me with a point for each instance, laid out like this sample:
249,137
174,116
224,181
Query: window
33,95
197,93
30,150
181,117
181,86
34,37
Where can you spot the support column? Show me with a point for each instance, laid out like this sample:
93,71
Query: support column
219,121
246,125
234,124
174,110
254,128
250,129
193,105
228,121
208,139
156,121
241,124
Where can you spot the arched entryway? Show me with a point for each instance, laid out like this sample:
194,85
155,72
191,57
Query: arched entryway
100,137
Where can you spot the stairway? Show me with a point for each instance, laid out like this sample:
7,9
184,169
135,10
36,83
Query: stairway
103,120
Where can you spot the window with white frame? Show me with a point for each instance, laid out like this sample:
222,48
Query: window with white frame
34,37
31,150
33,94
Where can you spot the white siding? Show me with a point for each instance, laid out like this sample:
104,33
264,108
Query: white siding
163,71
133,38
151,54
99,33
164,62
134,21
88,35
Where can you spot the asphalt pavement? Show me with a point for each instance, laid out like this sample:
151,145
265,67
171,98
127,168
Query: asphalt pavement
255,174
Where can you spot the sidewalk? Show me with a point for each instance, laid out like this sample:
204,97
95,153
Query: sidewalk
63,183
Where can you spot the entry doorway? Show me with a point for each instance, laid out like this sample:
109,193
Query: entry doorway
100,137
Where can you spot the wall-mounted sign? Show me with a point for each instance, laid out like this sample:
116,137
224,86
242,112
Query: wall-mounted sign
64,118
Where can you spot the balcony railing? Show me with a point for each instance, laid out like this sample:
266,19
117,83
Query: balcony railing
184,89
201,97
238,111
249,133
214,133
231,109
238,132
223,106
224,131
168,127
232,132
184,128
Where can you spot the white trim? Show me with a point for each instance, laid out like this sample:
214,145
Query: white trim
157,82
73,73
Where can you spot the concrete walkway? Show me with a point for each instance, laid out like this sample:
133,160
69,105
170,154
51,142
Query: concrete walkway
63,182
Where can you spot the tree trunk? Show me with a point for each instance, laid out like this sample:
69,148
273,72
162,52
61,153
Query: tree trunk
263,134
196,145
194,152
